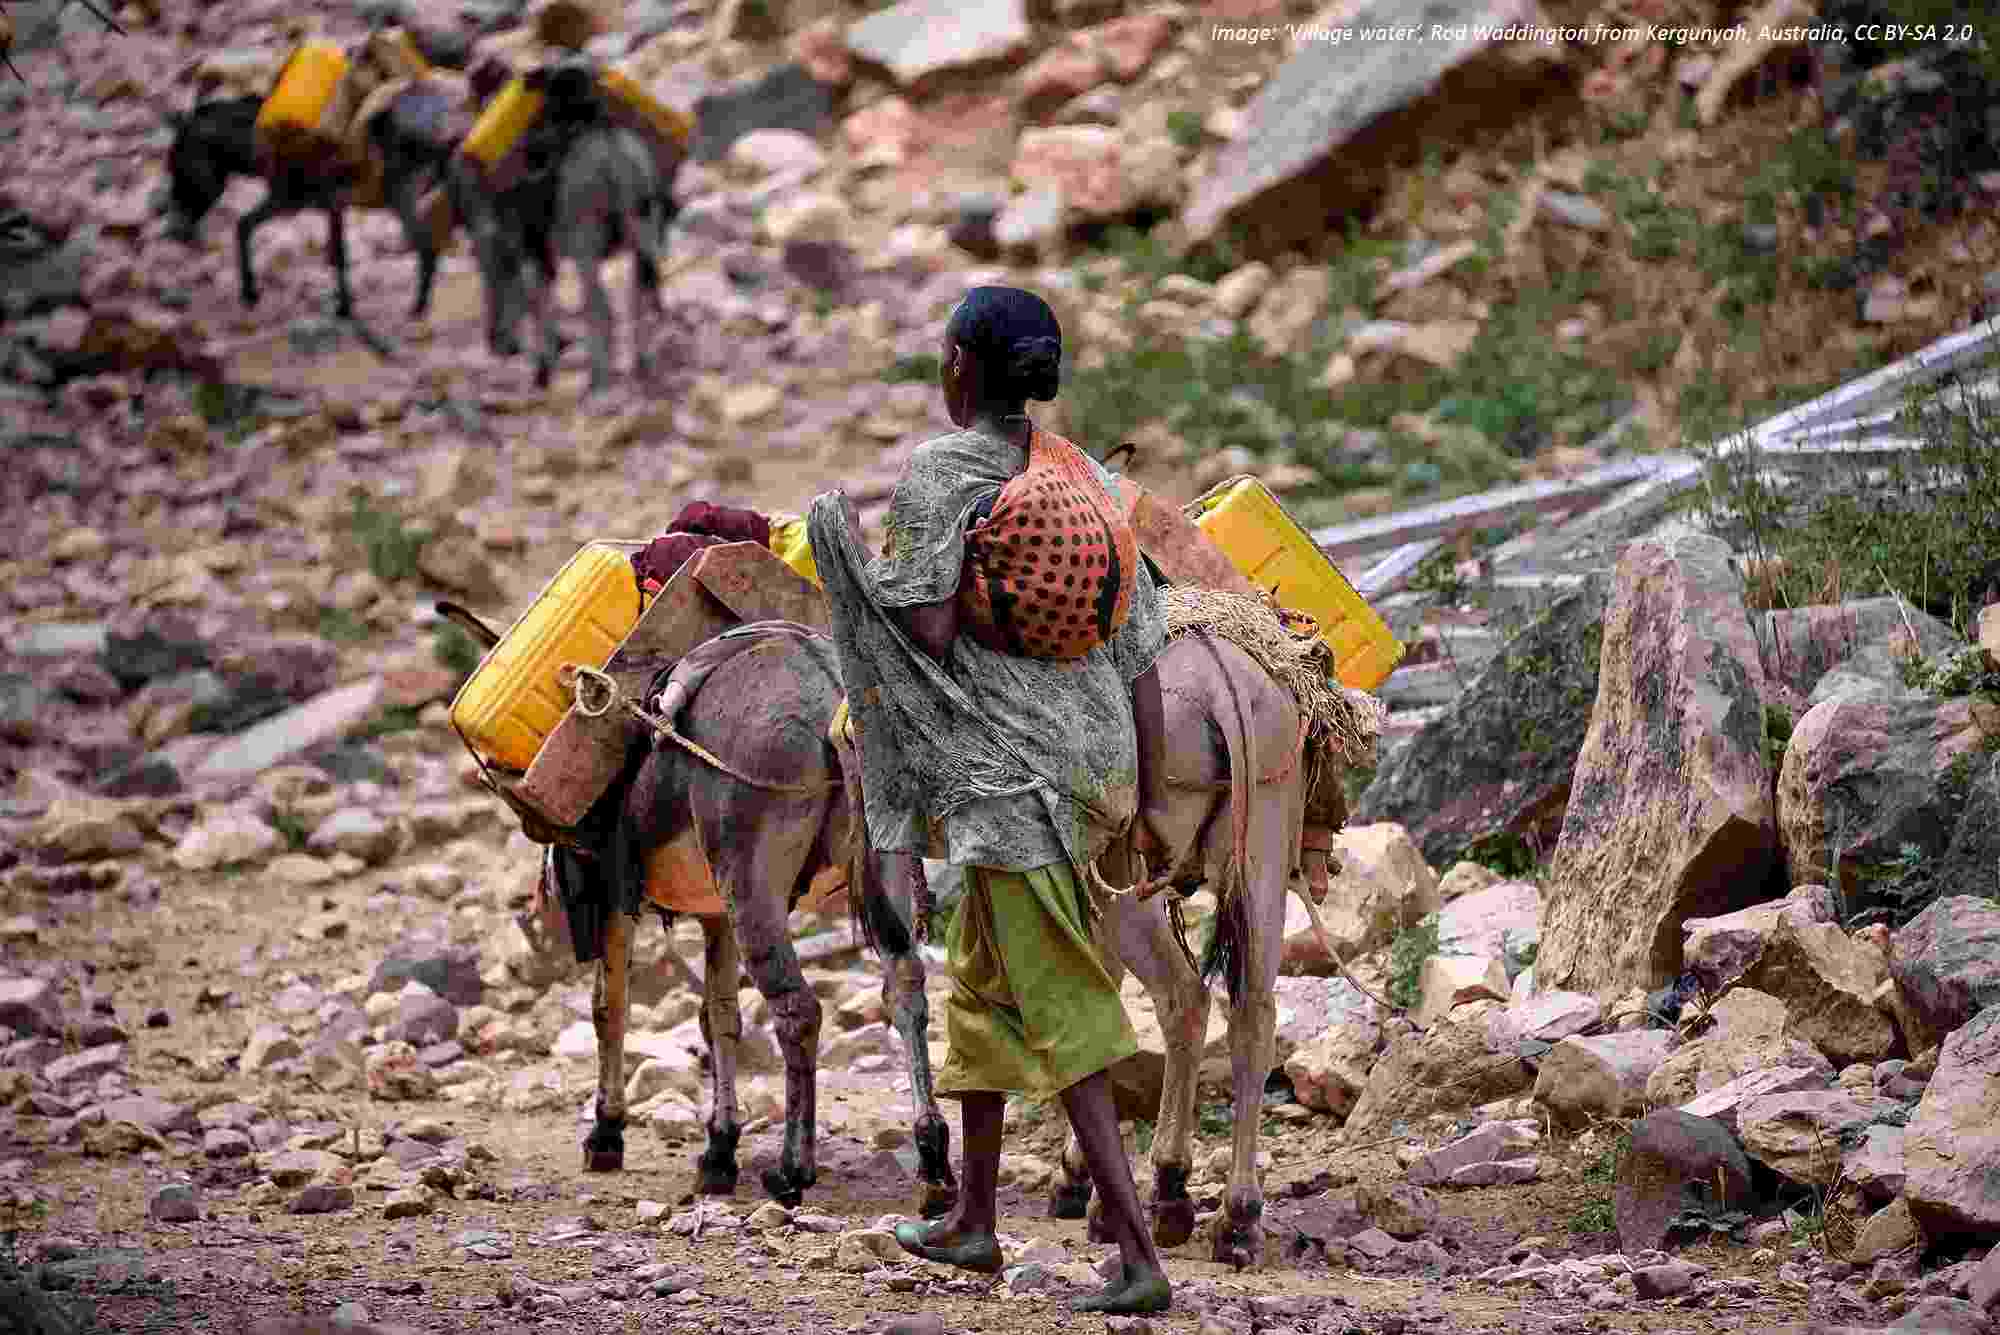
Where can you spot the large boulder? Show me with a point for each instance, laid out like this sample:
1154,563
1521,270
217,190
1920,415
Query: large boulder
1946,961
1384,887
1827,981
1671,1152
1670,815
1803,644
1446,981
1443,1069
1320,137
1799,1135
1587,1079
1724,1103
1500,758
1752,1032
1951,1151
1719,951
1872,774
917,40
1329,1073
1497,920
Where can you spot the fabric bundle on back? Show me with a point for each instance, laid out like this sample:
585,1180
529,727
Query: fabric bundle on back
1049,570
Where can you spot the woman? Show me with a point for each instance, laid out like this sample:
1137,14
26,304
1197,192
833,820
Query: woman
1021,769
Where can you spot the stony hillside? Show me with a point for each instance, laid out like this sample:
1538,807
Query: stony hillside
287,1040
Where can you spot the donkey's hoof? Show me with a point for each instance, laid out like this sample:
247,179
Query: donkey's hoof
1069,1200
1240,1248
784,1189
935,1200
603,1161
1173,1222
714,1179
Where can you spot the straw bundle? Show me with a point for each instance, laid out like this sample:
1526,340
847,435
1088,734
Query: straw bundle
1342,721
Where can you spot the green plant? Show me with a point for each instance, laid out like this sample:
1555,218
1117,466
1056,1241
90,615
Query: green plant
1602,1170
1502,851
391,544
1777,732
919,368
1920,525
390,719
1215,1119
1142,1135
454,648
292,826
341,626
1955,672
1595,1215
1184,128
1407,953
1518,959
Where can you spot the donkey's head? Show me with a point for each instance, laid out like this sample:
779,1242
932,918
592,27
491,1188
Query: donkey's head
212,142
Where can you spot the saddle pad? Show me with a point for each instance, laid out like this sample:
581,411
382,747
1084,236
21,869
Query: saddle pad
678,879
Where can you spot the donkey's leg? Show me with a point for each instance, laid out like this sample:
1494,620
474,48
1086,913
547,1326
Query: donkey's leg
336,244
1274,830
645,289
722,1026
587,244
903,999
604,1148
755,874
269,207
402,194
1144,939
540,297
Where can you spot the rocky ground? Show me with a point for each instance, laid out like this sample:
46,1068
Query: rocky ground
284,1043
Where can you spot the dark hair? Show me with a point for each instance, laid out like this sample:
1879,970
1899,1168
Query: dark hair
1016,338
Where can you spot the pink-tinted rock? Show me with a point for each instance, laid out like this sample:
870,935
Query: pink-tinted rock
821,50
1670,812
1129,44
1951,1152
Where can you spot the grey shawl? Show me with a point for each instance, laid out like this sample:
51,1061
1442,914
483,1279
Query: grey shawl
987,759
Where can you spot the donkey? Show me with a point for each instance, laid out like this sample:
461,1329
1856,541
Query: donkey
590,188
216,141
765,710
751,705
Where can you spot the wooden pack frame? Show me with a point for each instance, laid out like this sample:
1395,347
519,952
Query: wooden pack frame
716,589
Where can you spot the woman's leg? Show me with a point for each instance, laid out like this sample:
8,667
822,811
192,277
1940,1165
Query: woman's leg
1143,1286
967,1236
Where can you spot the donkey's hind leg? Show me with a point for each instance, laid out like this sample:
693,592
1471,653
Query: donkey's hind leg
755,873
604,1148
1145,939
722,1026
586,242
889,917
646,300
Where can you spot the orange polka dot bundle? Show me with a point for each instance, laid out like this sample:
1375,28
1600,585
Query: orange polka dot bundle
1049,571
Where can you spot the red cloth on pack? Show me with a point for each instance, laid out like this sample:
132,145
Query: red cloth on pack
728,522
1049,572
698,525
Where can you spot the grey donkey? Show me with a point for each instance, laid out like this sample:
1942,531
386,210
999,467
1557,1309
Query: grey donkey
1229,803
590,189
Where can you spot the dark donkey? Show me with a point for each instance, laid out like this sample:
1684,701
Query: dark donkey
216,141
751,801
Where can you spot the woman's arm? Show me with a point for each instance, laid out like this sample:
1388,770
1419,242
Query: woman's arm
932,625
1149,720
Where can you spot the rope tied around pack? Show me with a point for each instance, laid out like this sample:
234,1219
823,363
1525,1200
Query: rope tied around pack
595,693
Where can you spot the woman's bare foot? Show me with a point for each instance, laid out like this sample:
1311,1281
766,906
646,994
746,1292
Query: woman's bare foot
946,1244
1137,1289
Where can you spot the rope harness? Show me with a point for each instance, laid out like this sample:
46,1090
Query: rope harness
583,681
